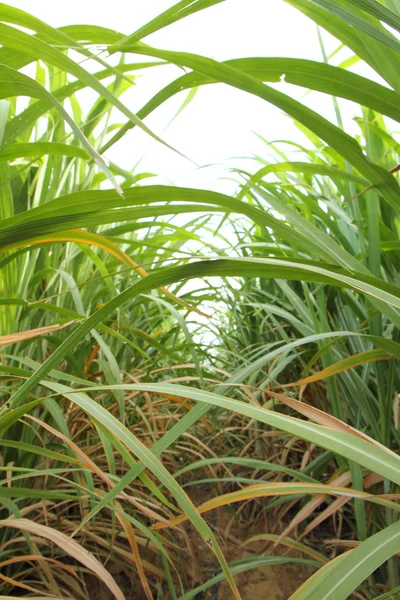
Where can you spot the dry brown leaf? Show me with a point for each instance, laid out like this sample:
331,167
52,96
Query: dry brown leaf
69,546
325,514
38,598
89,464
14,338
322,418
308,509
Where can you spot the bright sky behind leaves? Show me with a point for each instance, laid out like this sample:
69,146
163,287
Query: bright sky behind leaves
220,122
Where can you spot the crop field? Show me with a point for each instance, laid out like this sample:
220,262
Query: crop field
200,391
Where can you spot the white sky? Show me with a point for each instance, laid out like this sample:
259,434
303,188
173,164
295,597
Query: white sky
220,123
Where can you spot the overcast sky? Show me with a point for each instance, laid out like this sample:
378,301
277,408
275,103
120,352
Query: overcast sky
220,122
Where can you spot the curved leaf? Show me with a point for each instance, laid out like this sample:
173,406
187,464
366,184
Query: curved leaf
332,135
371,456
71,547
339,578
38,149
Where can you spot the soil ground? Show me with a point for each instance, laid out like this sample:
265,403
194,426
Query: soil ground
275,582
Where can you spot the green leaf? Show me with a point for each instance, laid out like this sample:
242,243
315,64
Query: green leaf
379,11
23,447
339,578
382,58
359,22
252,268
344,144
20,492
245,564
173,14
375,458
38,149
13,83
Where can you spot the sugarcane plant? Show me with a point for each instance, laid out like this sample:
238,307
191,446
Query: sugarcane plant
138,320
